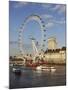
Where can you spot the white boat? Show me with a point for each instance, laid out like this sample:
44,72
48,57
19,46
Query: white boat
16,71
53,69
11,65
45,68
38,67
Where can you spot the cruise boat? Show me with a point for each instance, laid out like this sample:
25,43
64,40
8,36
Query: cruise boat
45,68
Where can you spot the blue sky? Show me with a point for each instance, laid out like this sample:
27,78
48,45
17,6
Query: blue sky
52,14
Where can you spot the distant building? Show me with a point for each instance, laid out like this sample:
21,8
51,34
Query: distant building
56,55
52,44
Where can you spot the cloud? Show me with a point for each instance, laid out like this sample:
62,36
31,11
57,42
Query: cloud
49,24
56,7
53,22
61,21
47,16
46,5
62,9
59,8
20,4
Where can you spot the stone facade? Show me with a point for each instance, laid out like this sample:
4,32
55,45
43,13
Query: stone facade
56,57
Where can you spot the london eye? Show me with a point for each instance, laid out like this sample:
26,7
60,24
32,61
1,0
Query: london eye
41,23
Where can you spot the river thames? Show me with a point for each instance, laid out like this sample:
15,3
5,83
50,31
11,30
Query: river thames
34,78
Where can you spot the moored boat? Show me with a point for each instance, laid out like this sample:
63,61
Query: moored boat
16,71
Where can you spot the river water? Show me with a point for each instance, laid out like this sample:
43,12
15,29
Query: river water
34,78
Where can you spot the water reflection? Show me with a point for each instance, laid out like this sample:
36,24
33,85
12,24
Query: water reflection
38,78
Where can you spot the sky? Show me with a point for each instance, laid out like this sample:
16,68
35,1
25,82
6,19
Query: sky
53,15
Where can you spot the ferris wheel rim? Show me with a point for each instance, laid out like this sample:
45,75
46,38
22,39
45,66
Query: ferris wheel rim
27,19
